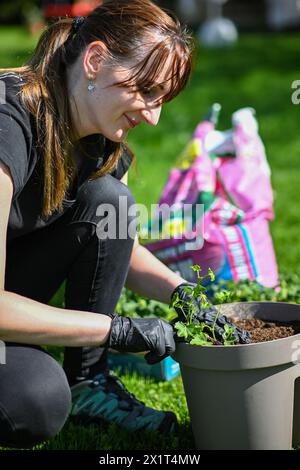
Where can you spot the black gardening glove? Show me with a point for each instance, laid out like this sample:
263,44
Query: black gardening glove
207,315
142,334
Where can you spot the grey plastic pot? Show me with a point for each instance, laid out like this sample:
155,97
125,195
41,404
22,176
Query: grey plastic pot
245,396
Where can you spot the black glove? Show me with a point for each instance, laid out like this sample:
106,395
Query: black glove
207,315
142,334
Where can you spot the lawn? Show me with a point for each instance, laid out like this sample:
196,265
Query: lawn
258,72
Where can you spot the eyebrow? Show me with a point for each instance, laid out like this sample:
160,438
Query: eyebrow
161,86
156,85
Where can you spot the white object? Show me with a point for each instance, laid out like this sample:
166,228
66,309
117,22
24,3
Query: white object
246,117
218,32
282,13
219,143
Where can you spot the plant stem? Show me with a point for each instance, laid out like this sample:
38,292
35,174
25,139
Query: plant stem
214,324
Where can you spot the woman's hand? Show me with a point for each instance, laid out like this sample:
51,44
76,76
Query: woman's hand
142,334
208,315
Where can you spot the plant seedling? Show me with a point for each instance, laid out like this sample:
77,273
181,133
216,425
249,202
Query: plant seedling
194,331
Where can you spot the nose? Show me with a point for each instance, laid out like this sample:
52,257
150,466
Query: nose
151,115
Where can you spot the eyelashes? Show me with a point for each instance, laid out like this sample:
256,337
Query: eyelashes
153,93
149,92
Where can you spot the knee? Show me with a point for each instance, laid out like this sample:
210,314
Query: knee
106,201
43,407
105,190
50,404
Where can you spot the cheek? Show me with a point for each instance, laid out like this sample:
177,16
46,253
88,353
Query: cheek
110,107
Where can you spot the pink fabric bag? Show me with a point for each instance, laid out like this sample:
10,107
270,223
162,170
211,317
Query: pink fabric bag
228,173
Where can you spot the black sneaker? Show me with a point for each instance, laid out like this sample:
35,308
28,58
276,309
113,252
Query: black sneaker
106,398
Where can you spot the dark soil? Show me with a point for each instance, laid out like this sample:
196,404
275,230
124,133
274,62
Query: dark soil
267,331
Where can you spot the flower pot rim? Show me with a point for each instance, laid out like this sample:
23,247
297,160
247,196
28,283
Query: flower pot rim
245,356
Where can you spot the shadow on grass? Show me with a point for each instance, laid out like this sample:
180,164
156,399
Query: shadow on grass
104,436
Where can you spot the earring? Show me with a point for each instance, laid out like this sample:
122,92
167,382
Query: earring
91,87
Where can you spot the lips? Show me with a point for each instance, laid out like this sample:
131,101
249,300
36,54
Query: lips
132,122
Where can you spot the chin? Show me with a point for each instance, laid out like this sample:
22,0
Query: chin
119,136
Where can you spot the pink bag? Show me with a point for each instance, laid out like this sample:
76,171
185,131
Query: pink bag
229,174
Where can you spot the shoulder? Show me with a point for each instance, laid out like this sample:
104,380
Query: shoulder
10,97
11,105
16,131
11,78
10,87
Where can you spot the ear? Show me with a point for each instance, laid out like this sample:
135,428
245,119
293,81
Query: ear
93,56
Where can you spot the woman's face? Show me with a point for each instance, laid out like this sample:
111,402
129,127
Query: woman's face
114,110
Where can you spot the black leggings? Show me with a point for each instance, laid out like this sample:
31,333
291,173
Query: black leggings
34,388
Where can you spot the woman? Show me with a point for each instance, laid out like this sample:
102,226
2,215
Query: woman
63,124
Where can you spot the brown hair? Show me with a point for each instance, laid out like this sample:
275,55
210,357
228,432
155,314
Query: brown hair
135,31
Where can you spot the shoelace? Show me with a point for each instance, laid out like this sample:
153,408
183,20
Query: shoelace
113,384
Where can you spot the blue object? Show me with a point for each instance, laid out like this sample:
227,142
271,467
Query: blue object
165,370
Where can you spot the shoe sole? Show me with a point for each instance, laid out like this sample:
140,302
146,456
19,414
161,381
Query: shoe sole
169,424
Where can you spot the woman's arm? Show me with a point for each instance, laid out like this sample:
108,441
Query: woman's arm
147,275
24,320
27,321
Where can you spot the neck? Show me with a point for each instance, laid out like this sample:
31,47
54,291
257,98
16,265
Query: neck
78,103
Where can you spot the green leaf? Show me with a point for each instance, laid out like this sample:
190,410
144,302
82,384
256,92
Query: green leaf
227,327
198,290
187,289
200,342
202,298
200,338
206,305
174,299
223,297
196,268
228,335
182,330
196,328
211,274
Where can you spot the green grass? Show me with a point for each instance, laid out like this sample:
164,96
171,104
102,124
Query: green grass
258,72
160,395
